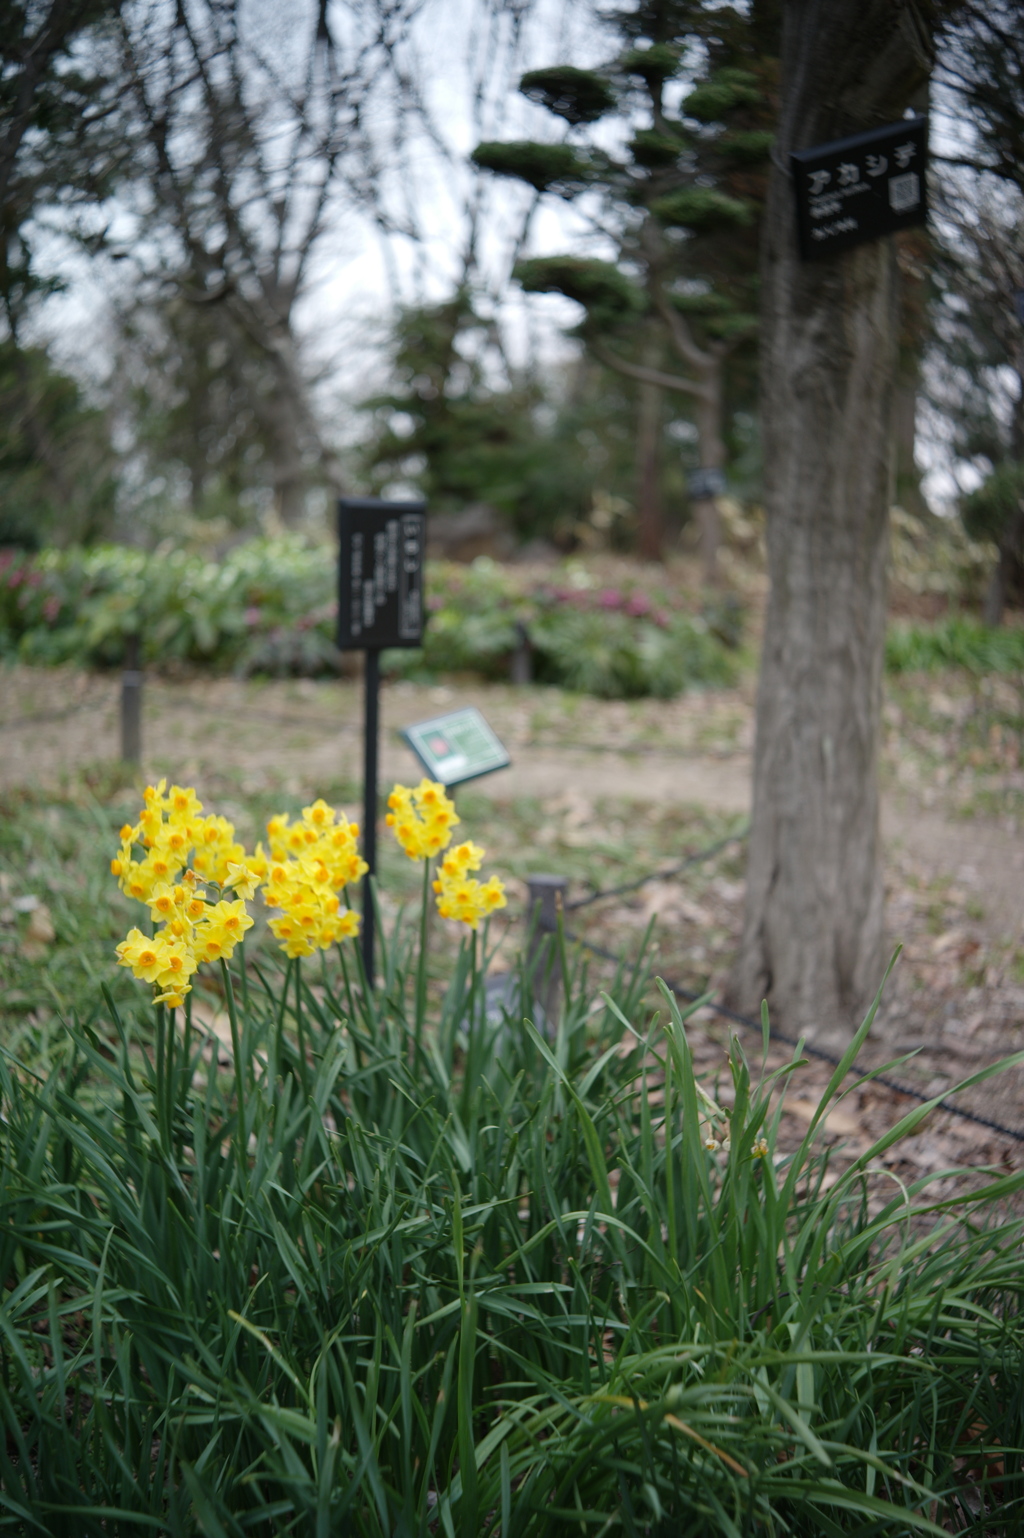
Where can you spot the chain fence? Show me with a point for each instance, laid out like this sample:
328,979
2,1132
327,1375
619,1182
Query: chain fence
748,1023
665,873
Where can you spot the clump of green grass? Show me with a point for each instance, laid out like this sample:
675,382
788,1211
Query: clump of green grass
487,1281
956,642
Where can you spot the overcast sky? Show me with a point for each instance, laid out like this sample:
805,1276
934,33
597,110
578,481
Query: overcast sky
466,64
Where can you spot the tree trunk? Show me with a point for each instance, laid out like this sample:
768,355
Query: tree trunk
906,474
290,435
812,939
648,466
995,593
711,448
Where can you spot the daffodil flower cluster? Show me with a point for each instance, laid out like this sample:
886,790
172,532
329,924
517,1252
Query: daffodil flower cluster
459,895
171,830
310,862
422,818
190,928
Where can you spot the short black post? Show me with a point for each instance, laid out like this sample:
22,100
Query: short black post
544,963
521,666
131,701
371,734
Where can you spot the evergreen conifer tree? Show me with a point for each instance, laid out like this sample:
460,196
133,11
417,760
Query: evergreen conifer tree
683,202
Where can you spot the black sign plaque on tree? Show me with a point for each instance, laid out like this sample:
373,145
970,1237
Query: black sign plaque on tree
380,604
861,188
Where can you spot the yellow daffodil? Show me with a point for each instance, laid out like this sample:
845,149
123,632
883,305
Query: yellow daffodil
182,802
244,879
144,956
459,895
162,903
310,863
422,818
170,829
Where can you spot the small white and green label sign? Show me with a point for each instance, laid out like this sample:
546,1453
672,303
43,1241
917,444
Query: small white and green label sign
456,747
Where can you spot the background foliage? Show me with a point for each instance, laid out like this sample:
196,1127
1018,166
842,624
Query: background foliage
269,607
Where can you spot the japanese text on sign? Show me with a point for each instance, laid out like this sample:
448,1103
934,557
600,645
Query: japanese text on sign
860,188
380,587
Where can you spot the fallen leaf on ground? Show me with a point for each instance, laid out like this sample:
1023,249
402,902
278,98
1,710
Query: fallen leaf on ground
39,933
839,1120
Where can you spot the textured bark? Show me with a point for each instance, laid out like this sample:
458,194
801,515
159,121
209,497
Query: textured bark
711,448
648,472
906,474
812,941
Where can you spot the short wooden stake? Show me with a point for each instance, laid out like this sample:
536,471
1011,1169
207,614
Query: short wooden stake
543,957
131,701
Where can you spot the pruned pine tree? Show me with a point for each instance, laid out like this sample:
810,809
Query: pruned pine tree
682,205
465,428
812,937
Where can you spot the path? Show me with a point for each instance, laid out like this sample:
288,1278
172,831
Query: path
955,889
690,751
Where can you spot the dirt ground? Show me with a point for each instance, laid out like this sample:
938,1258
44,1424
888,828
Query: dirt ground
955,883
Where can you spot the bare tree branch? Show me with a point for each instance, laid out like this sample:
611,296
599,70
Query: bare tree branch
653,376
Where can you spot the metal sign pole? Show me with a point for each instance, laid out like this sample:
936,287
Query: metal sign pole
371,738
380,604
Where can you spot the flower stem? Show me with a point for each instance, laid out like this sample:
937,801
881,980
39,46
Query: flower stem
243,975
303,1065
236,1048
161,1087
421,965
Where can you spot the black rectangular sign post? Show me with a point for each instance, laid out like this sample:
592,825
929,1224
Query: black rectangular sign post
380,604
861,188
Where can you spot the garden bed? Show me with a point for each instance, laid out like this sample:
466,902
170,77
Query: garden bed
269,609
395,1261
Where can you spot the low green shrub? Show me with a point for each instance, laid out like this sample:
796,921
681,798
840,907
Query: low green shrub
78,605
269,608
615,643
361,1277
